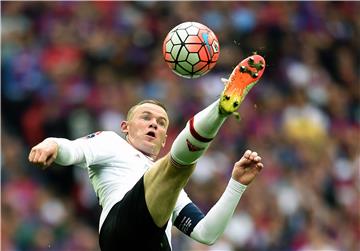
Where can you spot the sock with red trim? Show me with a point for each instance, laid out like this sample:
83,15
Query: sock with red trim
195,138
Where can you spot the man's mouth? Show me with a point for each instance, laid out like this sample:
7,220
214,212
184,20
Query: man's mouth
151,134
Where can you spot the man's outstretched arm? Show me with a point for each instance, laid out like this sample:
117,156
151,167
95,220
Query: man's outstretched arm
209,228
62,151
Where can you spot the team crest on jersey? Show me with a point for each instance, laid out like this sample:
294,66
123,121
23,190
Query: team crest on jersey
93,135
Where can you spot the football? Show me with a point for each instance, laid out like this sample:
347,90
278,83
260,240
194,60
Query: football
191,49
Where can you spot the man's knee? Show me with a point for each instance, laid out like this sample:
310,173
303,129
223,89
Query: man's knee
167,168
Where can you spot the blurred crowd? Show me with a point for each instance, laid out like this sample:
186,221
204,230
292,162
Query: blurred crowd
71,68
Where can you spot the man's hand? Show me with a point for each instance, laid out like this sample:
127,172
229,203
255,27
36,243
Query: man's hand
247,168
44,153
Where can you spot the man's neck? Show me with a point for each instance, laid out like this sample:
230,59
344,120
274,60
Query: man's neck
148,155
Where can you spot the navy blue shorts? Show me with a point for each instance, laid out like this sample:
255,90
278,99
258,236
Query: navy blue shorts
129,225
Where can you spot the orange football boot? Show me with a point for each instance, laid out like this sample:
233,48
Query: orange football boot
245,75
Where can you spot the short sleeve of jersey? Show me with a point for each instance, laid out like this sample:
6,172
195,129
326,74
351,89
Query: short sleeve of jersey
100,147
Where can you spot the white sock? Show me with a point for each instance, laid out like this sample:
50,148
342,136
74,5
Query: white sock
195,138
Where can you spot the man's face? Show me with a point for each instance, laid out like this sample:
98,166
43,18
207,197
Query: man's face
146,128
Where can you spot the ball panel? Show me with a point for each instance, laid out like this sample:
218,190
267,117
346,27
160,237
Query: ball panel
175,51
215,46
199,25
181,70
193,47
203,70
182,35
171,65
183,54
168,57
211,65
192,30
184,25
193,58
200,65
186,66
185,75
168,46
203,54
196,75
191,39
175,38
215,58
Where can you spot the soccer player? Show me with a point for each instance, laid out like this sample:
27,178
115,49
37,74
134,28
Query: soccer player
141,197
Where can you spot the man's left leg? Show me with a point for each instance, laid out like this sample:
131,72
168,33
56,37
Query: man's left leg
164,181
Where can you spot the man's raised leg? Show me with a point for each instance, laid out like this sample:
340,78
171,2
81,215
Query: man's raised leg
164,181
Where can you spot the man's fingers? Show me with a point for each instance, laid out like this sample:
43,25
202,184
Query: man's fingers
253,155
43,157
36,157
257,158
43,154
250,154
39,157
259,166
50,160
247,154
31,155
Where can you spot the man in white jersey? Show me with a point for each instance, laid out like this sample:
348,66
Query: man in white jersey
142,197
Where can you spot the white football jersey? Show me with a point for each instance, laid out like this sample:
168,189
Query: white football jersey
114,167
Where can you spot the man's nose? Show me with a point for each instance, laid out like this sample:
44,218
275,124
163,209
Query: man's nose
153,124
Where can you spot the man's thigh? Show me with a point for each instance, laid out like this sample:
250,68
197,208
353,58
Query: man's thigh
129,225
163,183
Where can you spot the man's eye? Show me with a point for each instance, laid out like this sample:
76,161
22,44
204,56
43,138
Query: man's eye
162,123
146,117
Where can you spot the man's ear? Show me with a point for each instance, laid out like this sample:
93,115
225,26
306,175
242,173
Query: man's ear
124,127
164,142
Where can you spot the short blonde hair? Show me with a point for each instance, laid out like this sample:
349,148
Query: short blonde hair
146,101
